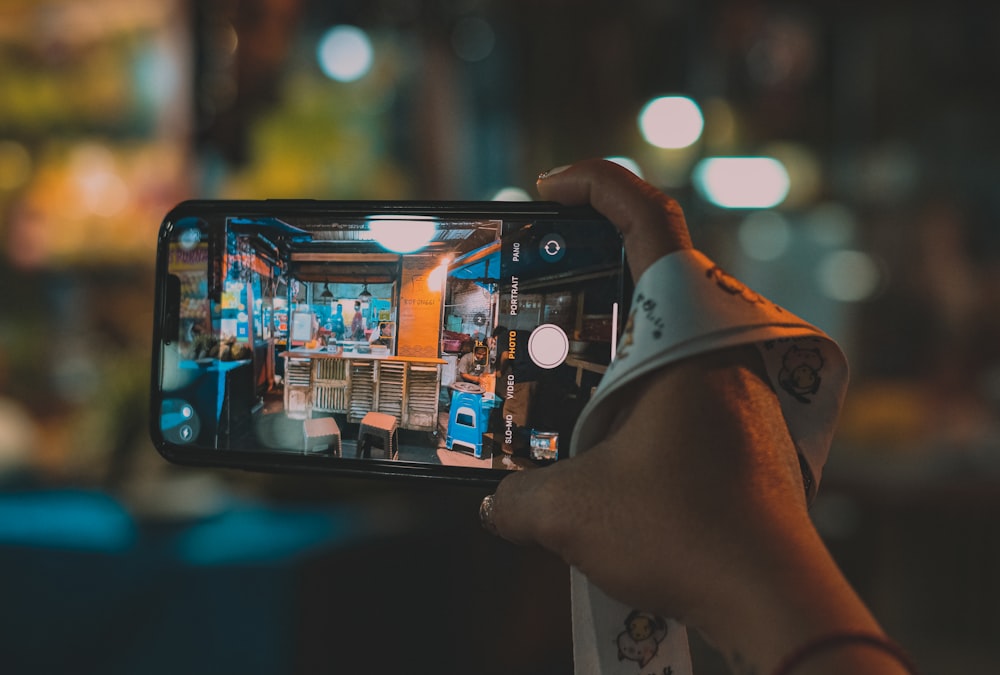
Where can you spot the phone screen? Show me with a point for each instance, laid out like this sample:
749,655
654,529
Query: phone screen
440,340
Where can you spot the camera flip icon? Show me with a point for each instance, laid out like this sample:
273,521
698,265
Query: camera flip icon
552,248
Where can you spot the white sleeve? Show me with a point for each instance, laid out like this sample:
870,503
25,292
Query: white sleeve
685,305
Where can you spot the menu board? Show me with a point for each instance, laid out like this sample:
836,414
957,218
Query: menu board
419,308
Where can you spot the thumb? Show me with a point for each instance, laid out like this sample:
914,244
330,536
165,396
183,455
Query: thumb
652,223
531,507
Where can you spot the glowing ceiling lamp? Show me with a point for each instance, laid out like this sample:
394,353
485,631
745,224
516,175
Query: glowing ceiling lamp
437,276
402,235
742,182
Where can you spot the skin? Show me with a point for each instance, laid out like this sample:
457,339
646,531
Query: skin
692,506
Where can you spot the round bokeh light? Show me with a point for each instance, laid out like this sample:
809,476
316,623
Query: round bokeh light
345,53
671,122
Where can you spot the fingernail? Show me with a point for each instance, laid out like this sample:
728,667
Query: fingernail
551,172
486,514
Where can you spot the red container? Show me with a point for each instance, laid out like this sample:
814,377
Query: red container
451,345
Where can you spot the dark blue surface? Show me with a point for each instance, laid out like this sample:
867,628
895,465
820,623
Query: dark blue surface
86,589
401,580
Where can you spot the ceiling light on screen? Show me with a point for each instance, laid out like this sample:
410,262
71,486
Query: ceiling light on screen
402,235
438,275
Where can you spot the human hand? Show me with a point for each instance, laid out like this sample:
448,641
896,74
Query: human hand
692,505
652,224
679,464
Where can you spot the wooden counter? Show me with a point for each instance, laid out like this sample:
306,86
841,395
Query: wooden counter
354,384
338,353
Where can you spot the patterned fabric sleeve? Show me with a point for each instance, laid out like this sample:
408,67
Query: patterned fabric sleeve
685,305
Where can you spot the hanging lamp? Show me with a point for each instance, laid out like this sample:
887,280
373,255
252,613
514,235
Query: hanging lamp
365,296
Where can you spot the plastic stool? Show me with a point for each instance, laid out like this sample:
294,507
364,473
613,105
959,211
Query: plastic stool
321,433
465,422
382,429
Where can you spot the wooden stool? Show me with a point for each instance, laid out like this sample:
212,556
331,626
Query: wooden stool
321,433
381,429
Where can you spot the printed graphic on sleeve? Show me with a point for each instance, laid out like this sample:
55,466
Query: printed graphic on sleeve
799,374
640,641
734,286
628,336
647,306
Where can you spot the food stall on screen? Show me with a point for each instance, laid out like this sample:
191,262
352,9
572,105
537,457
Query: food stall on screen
387,338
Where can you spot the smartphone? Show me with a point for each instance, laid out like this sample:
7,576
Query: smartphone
454,340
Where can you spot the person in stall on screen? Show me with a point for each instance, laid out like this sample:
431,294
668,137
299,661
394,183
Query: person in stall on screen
472,367
381,334
337,322
357,323
692,506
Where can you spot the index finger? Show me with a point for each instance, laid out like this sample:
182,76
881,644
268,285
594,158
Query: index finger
652,223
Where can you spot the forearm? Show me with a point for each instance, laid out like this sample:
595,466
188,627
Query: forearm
693,504
782,589
800,597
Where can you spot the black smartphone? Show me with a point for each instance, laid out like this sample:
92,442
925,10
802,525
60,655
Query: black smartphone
440,339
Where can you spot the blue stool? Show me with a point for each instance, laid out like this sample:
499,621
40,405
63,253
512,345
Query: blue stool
466,422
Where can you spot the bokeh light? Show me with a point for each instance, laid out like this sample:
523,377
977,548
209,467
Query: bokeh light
742,182
831,224
100,188
848,276
804,170
473,39
511,194
15,165
671,122
764,235
345,53
721,126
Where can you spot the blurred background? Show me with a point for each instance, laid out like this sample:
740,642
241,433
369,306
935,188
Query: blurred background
863,199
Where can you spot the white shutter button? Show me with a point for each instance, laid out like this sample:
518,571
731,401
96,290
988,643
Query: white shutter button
548,346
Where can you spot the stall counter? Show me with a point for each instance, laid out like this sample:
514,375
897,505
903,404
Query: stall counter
339,353
331,380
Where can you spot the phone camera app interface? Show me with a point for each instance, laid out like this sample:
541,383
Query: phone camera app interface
469,342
